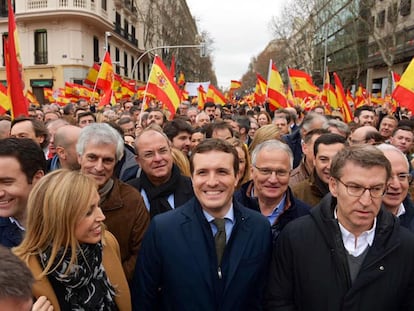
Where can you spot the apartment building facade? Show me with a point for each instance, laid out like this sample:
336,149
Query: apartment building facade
61,39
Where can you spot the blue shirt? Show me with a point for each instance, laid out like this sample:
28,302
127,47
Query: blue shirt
229,222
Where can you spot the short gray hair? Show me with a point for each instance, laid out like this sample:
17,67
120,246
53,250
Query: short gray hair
272,144
101,134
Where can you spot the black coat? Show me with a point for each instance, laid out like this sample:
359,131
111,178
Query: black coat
309,269
183,190
296,208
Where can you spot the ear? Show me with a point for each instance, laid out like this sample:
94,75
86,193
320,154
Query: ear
39,174
304,147
333,186
60,151
79,159
137,160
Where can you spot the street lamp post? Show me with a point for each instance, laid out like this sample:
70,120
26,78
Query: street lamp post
201,46
107,35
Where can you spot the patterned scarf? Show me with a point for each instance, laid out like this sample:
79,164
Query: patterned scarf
86,285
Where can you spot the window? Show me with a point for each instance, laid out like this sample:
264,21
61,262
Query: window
132,66
381,19
117,67
392,13
3,8
4,38
40,46
103,5
125,64
95,49
126,28
405,7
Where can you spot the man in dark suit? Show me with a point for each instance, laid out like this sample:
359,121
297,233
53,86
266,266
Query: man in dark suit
161,184
210,254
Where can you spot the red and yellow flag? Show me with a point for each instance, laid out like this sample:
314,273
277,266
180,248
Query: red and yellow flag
302,84
275,89
202,96
92,74
181,79
4,100
260,90
329,96
361,96
342,100
234,85
404,91
215,96
14,69
161,84
105,80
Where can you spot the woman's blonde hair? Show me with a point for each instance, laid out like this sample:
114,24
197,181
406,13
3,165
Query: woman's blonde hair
55,205
237,143
266,132
181,161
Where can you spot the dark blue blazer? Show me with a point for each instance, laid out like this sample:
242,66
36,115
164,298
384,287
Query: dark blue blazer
177,265
10,234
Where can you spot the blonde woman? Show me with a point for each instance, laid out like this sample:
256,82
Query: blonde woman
270,131
75,262
244,160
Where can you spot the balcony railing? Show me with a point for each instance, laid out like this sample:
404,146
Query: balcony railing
60,4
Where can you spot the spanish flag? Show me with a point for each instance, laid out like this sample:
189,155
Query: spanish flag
105,80
92,74
260,89
342,100
275,89
234,85
201,97
161,85
4,100
404,91
302,84
181,79
215,96
14,69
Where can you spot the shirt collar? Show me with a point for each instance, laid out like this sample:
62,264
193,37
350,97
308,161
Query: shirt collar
229,215
401,210
16,222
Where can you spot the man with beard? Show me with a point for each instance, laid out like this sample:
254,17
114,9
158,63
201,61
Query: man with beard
179,133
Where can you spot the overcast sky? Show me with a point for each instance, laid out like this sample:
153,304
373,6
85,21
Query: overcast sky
240,30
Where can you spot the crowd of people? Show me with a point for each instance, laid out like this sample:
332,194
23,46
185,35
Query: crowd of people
222,208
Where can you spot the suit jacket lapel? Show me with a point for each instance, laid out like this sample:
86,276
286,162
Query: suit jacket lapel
237,243
195,238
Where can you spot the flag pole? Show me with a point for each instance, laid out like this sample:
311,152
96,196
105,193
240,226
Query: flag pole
96,82
145,93
269,72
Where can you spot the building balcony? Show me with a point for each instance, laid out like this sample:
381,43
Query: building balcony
35,6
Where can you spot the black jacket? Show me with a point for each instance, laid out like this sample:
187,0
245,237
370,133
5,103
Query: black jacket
294,208
183,190
309,269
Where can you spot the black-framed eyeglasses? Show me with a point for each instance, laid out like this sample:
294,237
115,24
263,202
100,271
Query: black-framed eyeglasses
357,190
268,171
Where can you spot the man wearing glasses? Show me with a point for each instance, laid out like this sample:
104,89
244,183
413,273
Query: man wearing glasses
349,254
268,192
396,199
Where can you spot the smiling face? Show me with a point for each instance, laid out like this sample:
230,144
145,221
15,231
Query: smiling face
89,227
357,214
98,161
14,189
323,160
214,181
154,156
271,188
397,186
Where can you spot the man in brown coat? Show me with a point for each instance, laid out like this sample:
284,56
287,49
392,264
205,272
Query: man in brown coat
313,189
99,148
